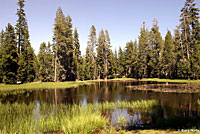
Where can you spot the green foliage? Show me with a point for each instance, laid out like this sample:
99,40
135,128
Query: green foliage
2,38
77,66
26,72
112,65
90,58
102,56
130,55
9,56
121,63
46,64
143,53
156,47
64,47
168,57
176,57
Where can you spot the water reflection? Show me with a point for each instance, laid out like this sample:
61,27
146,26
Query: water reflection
172,106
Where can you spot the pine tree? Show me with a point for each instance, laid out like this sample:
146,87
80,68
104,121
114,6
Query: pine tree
156,45
9,56
64,47
91,68
195,39
143,53
121,63
130,56
70,51
2,38
181,64
41,59
82,67
45,58
101,55
116,64
168,57
26,72
103,51
112,64
77,54
107,52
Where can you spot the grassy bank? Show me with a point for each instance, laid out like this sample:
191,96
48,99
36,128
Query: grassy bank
44,85
51,118
171,80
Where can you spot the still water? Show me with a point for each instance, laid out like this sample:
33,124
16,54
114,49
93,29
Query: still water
175,110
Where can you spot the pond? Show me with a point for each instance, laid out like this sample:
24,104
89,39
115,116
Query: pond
174,110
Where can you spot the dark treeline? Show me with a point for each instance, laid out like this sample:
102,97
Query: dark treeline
177,56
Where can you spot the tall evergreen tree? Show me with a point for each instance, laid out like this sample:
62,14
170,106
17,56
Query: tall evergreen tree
130,55
70,51
112,65
143,53
77,54
2,38
82,67
26,72
194,38
45,58
9,56
168,56
121,63
156,45
116,69
107,52
101,56
64,47
91,68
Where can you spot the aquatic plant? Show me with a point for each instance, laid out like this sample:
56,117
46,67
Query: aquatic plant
60,118
135,105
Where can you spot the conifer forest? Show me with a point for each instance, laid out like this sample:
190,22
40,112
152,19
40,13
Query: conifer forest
175,56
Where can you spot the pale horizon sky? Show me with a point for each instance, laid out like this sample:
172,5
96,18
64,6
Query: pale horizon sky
122,18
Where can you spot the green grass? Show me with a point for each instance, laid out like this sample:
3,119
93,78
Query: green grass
136,105
22,118
171,80
43,85
51,118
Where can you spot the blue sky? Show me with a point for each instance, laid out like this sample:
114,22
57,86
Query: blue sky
122,18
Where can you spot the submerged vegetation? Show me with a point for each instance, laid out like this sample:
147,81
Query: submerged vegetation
52,118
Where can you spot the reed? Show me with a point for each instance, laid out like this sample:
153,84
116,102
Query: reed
69,119
135,105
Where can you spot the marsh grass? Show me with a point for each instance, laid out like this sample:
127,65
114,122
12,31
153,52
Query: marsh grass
141,105
22,118
50,118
